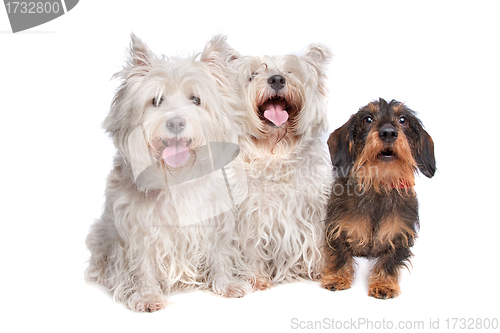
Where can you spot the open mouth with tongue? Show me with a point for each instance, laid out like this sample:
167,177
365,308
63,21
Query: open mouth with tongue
176,152
274,110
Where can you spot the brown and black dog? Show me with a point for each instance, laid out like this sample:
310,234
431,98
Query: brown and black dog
373,209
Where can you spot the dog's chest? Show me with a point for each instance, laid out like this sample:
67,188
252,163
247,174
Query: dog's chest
382,226
285,176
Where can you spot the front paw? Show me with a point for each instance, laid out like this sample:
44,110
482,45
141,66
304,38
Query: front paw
335,282
233,289
383,290
260,283
147,303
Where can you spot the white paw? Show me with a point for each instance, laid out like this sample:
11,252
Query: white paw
147,303
260,283
233,289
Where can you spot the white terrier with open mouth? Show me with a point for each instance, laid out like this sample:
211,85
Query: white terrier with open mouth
281,228
169,217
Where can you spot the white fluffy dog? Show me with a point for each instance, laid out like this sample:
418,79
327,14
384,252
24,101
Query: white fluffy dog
281,226
169,217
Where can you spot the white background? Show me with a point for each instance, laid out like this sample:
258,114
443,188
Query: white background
441,58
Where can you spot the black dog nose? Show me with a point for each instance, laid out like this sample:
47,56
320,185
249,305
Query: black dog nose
388,133
176,124
276,82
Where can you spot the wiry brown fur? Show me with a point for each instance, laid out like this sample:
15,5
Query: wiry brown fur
386,176
373,209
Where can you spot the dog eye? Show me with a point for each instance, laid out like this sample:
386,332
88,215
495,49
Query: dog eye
196,100
403,121
367,120
254,74
157,102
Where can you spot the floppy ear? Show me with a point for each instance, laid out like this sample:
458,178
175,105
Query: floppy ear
425,155
339,145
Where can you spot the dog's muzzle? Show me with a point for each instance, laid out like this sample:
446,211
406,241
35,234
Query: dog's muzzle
388,133
176,152
176,124
274,110
277,82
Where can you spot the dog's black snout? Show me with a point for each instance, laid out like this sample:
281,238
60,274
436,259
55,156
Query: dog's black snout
276,82
176,124
388,133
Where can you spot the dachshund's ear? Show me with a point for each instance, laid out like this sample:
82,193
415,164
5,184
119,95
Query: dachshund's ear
339,144
425,155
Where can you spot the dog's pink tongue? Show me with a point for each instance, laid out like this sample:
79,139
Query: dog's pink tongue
176,154
274,112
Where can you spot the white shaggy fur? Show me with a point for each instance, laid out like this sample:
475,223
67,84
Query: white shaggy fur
281,228
165,228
